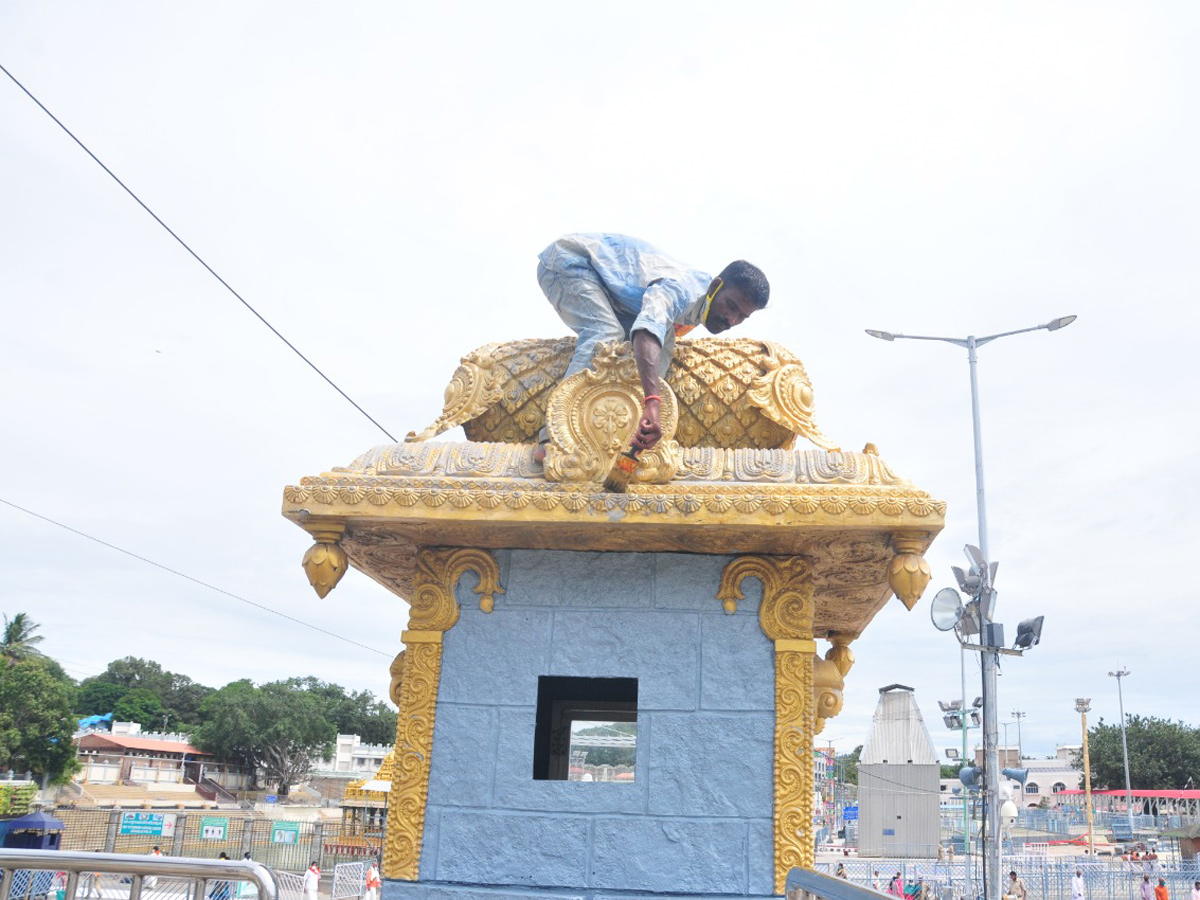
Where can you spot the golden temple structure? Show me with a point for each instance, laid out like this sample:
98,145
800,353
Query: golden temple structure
830,535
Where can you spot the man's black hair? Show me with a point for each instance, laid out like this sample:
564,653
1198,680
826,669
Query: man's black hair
749,279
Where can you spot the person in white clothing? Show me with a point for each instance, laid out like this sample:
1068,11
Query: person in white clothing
312,881
151,881
1077,891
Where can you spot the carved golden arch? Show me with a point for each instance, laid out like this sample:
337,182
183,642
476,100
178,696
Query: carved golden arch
416,673
786,617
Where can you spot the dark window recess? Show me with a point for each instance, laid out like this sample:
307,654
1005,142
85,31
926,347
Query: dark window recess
586,729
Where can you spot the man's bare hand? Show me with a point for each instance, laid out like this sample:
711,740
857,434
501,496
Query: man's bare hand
649,430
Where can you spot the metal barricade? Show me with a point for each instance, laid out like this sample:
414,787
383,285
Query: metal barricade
117,876
349,880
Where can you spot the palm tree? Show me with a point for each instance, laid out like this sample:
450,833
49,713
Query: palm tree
18,641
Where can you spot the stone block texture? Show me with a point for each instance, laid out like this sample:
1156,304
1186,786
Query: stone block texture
696,819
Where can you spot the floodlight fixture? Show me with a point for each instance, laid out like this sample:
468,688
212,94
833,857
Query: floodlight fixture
978,703
1029,633
953,721
952,753
1083,704
950,705
975,720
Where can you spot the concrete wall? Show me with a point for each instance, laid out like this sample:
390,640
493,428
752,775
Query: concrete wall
697,818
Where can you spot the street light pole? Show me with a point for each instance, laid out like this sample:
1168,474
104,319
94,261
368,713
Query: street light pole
1018,715
989,658
1119,674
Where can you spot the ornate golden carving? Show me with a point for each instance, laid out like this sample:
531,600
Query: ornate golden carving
433,605
793,764
593,415
500,376
829,680
909,573
325,561
785,395
434,611
786,617
410,773
787,606
396,670
514,462
733,392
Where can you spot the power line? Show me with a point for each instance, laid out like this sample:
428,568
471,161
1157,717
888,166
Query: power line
205,584
194,254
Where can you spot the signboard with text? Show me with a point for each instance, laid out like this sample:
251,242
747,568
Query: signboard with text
148,823
850,814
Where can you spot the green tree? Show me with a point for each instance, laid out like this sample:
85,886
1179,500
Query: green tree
279,727
98,698
357,712
611,756
36,725
19,641
139,705
1162,754
178,696
849,765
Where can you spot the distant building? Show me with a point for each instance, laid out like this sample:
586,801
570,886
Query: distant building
898,774
125,756
353,757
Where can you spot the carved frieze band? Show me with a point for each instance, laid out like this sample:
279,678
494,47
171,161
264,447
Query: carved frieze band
434,611
460,461
786,617
733,498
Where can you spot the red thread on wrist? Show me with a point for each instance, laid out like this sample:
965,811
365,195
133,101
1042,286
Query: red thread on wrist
653,397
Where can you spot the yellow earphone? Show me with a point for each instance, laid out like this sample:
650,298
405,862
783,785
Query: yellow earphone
712,295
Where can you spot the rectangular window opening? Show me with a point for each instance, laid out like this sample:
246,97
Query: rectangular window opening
586,729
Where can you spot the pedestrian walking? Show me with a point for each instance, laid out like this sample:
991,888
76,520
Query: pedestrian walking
877,882
1161,892
1016,888
312,881
151,881
1196,891
220,889
1077,888
374,882
1146,891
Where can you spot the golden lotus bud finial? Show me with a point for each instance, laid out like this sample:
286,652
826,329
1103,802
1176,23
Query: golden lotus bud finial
908,573
325,561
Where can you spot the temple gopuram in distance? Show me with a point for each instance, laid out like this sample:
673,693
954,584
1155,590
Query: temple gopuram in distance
615,694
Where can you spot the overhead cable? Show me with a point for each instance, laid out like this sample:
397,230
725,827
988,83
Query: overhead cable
205,584
194,254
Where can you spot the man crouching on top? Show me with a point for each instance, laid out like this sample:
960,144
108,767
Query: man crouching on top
610,287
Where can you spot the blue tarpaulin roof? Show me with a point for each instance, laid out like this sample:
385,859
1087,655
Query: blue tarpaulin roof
37,821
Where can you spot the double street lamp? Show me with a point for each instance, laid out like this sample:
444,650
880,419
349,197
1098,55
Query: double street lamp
989,633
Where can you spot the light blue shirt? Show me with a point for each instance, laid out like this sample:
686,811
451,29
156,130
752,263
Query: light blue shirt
660,291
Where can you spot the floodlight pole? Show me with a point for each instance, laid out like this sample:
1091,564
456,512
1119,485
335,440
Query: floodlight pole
989,658
1119,674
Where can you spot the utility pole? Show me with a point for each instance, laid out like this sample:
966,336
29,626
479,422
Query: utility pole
1119,674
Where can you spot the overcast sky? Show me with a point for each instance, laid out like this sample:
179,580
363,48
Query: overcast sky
377,179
